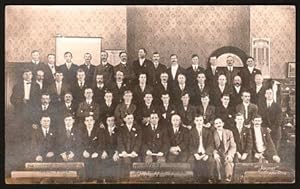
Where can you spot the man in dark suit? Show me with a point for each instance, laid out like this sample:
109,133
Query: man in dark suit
99,89
166,109
35,63
225,111
145,109
155,140
179,140
118,87
225,149
92,146
88,68
68,107
248,73
24,93
263,146
105,69
179,89
107,107
79,86
186,111
50,69
141,89
207,110
159,68
200,88
110,160
258,91
143,65
230,71
43,141
58,89
248,109
201,148
129,144
219,90
236,92
69,69
174,70
126,68
272,117
39,80
88,107
124,108
243,139
193,71
212,72
161,87
68,140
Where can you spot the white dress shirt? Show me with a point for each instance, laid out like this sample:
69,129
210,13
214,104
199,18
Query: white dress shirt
27,86
174,69
213,69
246,110
40,83
269,103
68,64
52,68
220,133
89,131
251,69
259,140
45,131
200,148
104,63
237,88
258,87
222,88
58,87
129,127
141,61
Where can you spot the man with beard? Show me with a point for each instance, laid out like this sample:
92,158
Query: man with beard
105,69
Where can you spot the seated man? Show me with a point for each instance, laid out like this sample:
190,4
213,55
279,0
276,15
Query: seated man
92,145
201,148
141,89
145,109
43,141
207,110
156,142
165,109
225,148
225,111
107,107
129,144
243,139
110,155
186,111
179,138
68,140
67,107
263,147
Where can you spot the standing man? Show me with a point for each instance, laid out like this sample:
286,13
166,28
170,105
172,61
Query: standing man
99,89
35,62
79,86
230,71
248,73
258,91
237,90
88,68
200,88
50,69
39,79
248,109
161,87
212,72
193,71
218,91
159,68
174,70
126,68
69,69
105,69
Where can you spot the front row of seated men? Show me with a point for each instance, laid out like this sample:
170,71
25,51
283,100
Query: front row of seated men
108,150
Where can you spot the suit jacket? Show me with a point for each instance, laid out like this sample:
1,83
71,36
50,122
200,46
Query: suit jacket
207,141
99,93
89,73
196,98
227,141
69,74
129,74
111,140
176,93
78,93
84,109
43,89
258,98
107,71
216,94
230,75
63,110
144,111
106,111
147,68
71,143
93,143
138,94
187,117
34,67
159,89
243,140
173,81
35,112
155,140
235,97
272,117
212,79
18,95
118,92
168,112
157,71
129,141
41,145
268,142
247,77
252,111
226,114
181,138
209,114
48,76
121,110
191,75
52,90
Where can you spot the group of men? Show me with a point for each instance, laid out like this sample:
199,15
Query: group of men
110,116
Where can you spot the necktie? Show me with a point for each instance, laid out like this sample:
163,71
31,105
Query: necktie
80,84
68,133
201,87
246,112
58,88
43,108
213,70
52,67
45,132
153,127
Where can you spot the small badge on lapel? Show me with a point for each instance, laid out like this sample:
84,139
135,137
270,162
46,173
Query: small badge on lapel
91,106
95,138
173,111
264,135
133,129
136,135
50,134
72,134
230,116
244,133
157,135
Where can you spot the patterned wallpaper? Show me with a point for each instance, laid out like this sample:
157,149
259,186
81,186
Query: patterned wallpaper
279,24
186,30
34,27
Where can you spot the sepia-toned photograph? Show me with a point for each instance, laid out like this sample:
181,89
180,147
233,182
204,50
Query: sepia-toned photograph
157,94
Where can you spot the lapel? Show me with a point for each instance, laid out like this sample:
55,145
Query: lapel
217,139
196,135
224,140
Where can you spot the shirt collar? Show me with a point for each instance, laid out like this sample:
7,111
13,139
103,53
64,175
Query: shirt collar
123,62
68,128
35,62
